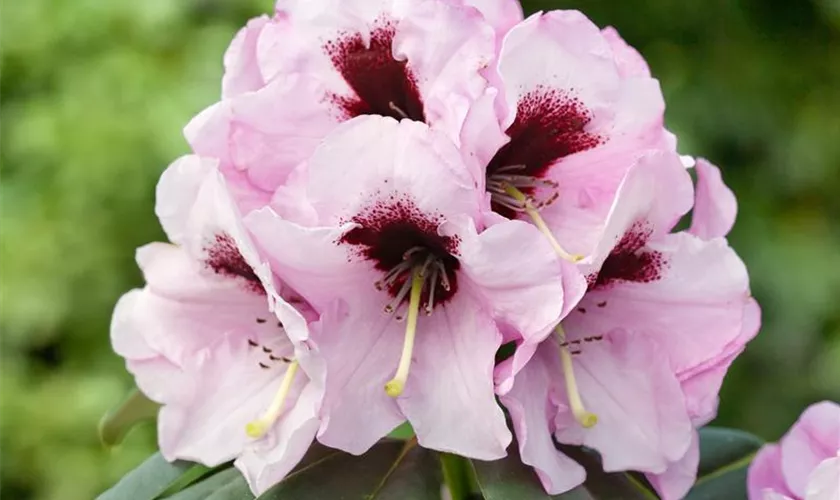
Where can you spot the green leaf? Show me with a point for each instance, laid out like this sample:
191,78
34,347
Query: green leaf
721,447
115,424
193,475
510,478
390,470
227,484
404,432
725,455
456,475
148,481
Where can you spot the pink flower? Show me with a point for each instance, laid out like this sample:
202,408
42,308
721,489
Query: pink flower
637,365
203,337
292,78
390,230
501,14
805,464
571,108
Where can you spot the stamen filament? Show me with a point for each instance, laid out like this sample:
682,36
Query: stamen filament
400,296
395,386
396,109
430,304
444,279
585,418
540,223
257,428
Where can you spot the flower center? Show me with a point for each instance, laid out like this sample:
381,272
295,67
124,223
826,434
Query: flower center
398,238
418,265
629,261
224,258
550,124
382,85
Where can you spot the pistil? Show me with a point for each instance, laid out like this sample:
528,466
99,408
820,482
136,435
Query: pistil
258,428
528,207
395,386
585,418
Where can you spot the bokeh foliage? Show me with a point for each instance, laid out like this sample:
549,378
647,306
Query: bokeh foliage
94,96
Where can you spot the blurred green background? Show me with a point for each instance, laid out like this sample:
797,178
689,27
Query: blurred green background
94,96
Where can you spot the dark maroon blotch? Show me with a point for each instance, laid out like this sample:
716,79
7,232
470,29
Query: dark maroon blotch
379,81
224,258
629,261
550,124
390,228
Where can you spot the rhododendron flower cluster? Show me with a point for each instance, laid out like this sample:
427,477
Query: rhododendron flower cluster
805,464
389,196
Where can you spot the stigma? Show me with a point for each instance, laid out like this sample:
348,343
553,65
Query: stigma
585,418
259,427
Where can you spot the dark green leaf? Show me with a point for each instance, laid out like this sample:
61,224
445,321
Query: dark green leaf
390,470
225,485
731,485
136,408
456,475
721,447
148,481
510,478
725,455
193,475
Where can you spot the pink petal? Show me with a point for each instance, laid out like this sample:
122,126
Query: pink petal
679,477
443,44
126,339
228,389
183,310
692,324
702,384
346,174
314,266
655,193
501,14
361,348
265,133
449,397
765,474
481,136
265,463
715,205
195,207
813,438
824,481
630,62
565,51
626,381
531,299
446,46
242,74
525,293
177,191
197,210
532,415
